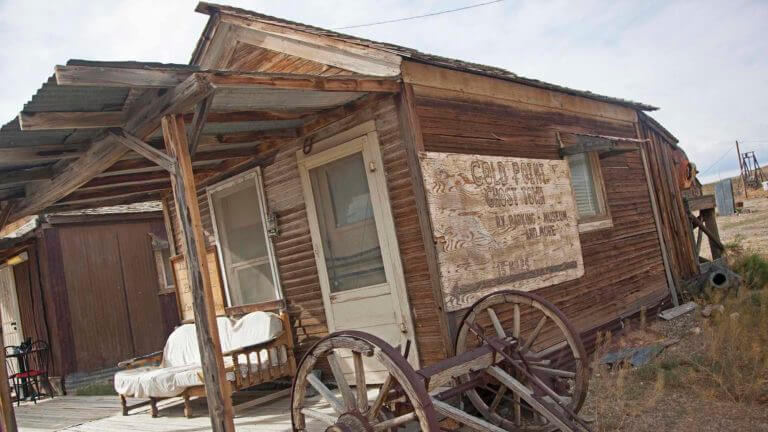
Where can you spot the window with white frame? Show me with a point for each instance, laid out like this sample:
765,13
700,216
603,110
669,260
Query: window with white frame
245,250
588,190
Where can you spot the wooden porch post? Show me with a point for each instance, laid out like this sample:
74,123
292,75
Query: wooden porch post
185,197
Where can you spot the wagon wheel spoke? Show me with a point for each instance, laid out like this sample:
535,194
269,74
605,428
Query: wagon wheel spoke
341,382
383,391
539,326
360,386
320,416
497,398
395,422
326,393
496,323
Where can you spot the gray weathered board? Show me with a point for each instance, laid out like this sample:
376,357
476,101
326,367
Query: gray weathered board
500,223
724,197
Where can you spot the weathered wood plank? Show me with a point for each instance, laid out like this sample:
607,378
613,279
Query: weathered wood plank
119,77
500,221
188,210
410,128
126,77
23,176
70,120
700,203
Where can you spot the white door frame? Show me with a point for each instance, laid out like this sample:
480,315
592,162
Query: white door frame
256,176
362,138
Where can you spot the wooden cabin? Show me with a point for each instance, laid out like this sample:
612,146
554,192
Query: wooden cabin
61,270
310,173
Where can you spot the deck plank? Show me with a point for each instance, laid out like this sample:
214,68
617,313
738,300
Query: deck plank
102,413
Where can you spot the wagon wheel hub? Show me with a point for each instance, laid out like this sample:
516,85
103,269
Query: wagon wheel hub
351,422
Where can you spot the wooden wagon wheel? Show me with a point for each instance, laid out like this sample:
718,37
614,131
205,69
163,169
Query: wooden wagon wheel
352,411
551,350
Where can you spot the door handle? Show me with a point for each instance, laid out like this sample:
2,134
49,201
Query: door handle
403,328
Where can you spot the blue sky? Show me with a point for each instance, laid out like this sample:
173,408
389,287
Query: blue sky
705,63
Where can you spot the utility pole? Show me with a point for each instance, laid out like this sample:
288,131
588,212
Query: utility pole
741,170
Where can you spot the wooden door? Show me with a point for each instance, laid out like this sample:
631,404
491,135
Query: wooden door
112,290
9,304
354,245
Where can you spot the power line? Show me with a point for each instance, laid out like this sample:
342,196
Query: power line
419,16
718,161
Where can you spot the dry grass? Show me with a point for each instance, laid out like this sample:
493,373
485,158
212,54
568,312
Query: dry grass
721,368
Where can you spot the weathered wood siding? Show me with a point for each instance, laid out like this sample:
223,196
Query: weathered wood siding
293,247
623,264
674,221
29,293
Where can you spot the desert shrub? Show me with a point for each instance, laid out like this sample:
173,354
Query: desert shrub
753,268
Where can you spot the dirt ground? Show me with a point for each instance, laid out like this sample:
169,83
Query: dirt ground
750,226
661,396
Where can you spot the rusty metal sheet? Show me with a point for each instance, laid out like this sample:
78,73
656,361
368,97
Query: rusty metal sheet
500,223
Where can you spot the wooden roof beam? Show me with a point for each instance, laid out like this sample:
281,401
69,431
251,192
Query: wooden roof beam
105,151
123,77
20,177
70,120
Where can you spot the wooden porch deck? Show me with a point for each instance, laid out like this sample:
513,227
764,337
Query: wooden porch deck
102,413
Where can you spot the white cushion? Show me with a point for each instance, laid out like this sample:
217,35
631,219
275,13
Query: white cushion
150,381
255,328
181,348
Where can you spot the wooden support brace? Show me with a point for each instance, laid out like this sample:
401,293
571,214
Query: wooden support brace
709,226
198,122
217,387
144,149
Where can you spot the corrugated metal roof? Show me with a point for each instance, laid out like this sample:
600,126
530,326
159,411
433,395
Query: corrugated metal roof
413,54
53,97
259,98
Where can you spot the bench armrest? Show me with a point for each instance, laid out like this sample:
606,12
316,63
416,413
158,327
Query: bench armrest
135,362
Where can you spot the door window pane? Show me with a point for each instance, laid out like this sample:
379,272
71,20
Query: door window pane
583,185
347,226
240,227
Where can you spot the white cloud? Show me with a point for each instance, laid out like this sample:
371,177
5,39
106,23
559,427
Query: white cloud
705,63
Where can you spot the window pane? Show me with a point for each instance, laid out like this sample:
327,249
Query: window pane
166,256
583,185
347,226
240,227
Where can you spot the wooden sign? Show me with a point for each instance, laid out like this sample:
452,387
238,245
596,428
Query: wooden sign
184,291
500,223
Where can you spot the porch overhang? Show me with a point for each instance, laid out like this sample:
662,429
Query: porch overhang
90,136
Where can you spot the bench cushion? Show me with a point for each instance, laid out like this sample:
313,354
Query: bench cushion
150,381
181,347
